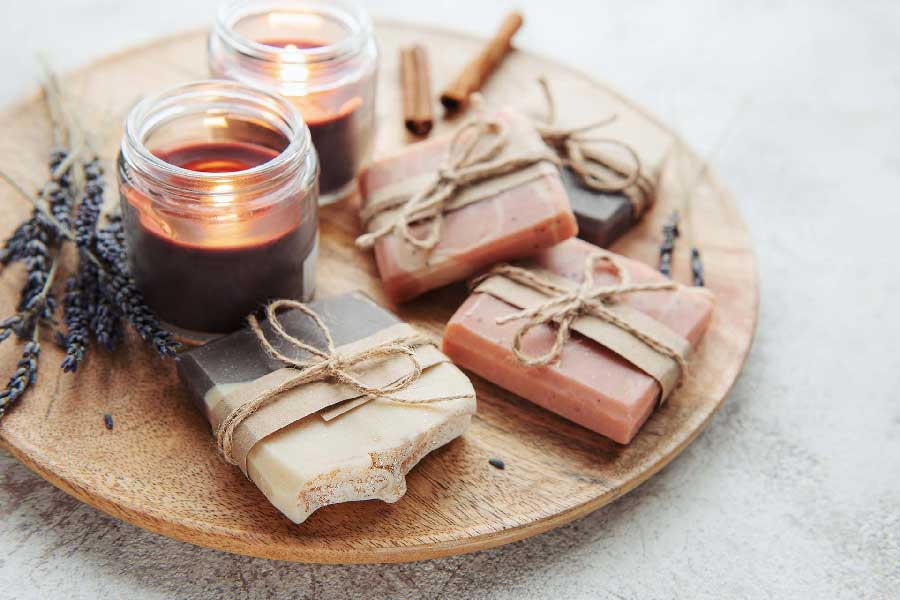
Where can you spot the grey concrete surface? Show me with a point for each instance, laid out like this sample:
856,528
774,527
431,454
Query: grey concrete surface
794,489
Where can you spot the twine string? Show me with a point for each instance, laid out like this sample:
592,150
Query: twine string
474,156
326,364
566,305
578,151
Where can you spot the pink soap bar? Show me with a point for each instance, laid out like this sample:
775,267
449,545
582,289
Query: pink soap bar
589,385
512,224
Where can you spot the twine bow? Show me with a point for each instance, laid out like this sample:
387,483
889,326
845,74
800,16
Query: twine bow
566,305
598,170
324,365
474,156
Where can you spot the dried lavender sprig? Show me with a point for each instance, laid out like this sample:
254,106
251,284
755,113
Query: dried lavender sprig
59,192
697,268
107,324
130,302
670,232
121,287
35,300
28,321
77,309
16,247
36,303
111,248
24,376
84,309
88,214
107,321
110,243
60,164
39,301
37,242
126,301
61,229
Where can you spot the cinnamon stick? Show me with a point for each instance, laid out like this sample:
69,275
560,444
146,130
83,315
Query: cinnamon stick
479,69
416,82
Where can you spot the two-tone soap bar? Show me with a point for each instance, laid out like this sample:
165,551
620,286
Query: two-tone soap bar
589,384
511,224
364,453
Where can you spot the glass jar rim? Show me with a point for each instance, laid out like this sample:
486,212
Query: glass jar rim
356,18
295,131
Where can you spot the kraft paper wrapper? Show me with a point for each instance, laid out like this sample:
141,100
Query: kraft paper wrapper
311,398
662,368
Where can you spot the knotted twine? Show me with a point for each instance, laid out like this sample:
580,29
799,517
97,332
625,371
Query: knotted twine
473,157
565,305
324,365
598,170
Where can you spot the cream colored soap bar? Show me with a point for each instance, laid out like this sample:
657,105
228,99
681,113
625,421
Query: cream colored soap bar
362,454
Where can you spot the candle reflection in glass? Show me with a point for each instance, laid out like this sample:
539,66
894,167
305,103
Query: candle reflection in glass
219,198
322,56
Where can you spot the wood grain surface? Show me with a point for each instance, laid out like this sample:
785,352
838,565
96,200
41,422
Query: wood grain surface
158,468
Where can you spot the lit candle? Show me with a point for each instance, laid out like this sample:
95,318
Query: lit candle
219,198
322,57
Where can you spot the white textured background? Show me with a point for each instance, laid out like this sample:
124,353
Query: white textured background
794,489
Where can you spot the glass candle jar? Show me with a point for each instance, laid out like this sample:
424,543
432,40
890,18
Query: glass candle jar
319,54
220,201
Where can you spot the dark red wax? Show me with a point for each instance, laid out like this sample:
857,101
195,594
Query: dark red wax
211,287
341,139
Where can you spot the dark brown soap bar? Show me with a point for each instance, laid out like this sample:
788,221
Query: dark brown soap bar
602,217
238,358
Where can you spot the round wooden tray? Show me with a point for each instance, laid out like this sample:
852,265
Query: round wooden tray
158,468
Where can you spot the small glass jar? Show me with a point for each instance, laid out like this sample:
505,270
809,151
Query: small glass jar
220,204
319,54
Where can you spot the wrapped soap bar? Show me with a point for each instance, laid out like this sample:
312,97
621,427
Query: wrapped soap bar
588,334
444,209
317,439
610,185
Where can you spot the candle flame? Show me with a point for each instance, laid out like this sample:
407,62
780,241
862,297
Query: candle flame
298,25
293,72
292,68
